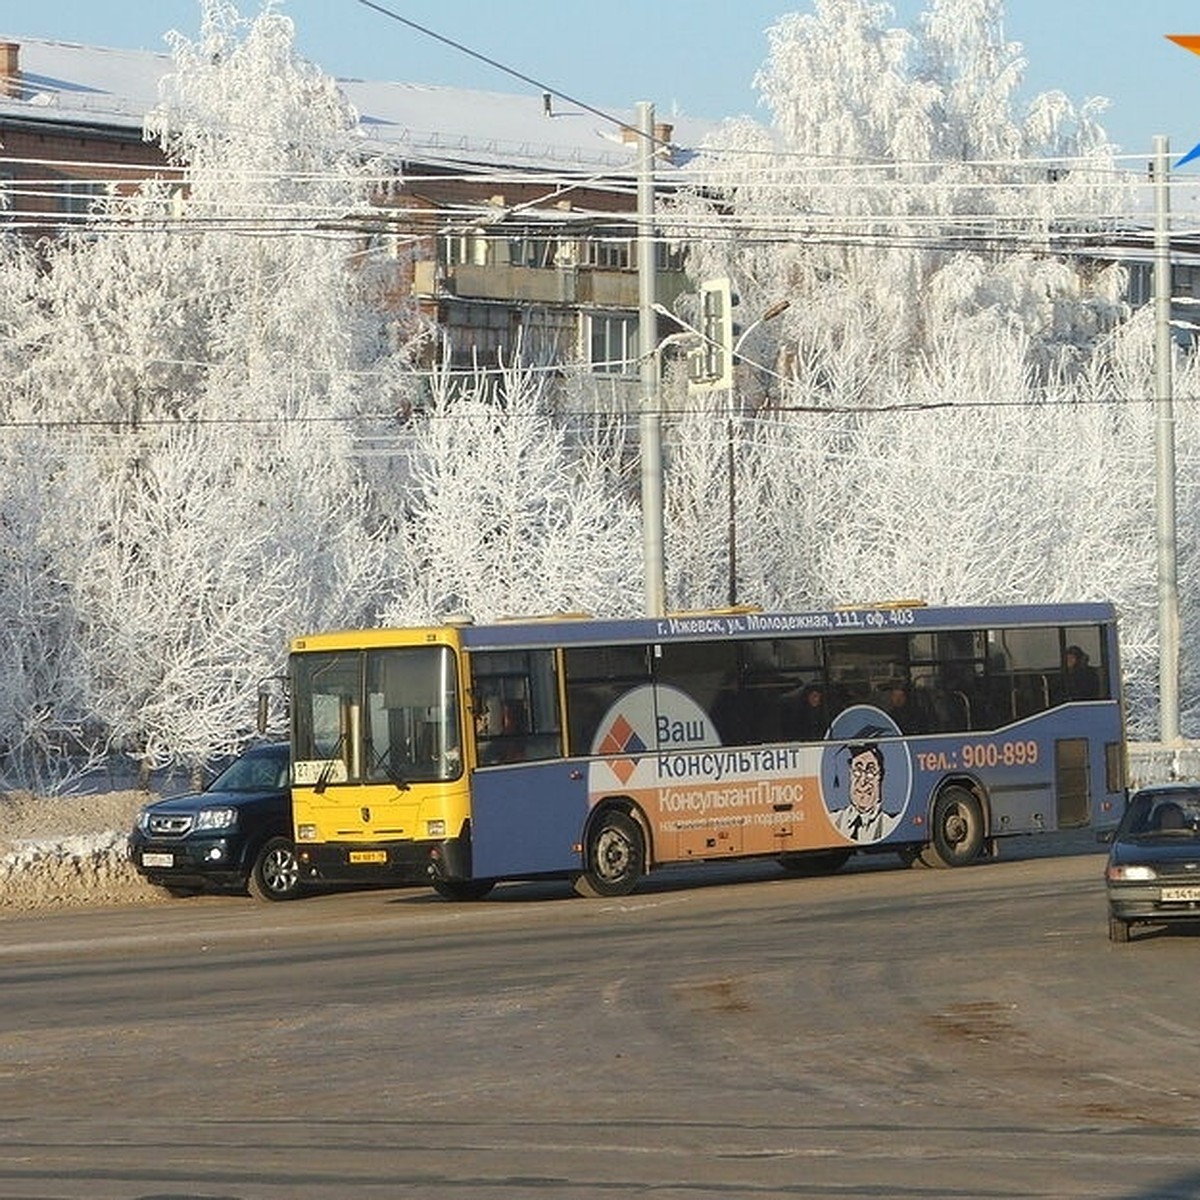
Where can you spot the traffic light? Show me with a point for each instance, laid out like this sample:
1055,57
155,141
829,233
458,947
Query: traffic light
711,365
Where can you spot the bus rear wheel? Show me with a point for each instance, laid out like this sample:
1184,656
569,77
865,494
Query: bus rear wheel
958,831
616,856
815,862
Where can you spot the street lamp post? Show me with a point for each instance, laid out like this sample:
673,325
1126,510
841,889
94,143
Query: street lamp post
730,448
1168,585
709,379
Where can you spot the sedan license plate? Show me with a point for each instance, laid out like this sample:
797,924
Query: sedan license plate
153,859
368,856
1180,893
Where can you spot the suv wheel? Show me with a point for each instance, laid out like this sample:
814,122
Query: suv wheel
276,873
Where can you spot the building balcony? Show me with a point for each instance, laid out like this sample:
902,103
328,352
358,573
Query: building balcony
590,286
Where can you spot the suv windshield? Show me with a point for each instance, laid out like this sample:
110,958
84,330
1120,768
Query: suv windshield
258,772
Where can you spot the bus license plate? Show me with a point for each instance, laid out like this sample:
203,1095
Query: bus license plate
380,856
1181,893
151,859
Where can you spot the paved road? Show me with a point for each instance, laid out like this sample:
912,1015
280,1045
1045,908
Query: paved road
880,1033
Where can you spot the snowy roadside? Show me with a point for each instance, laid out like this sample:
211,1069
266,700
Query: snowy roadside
68,851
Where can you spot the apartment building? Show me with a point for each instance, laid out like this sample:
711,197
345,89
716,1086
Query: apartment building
507,217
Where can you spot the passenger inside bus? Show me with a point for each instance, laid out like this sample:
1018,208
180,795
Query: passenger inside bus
897,701
501,727
1080,681
813,717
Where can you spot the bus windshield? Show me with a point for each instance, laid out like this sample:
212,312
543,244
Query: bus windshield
376,716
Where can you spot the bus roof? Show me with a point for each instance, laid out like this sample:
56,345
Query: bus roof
571,630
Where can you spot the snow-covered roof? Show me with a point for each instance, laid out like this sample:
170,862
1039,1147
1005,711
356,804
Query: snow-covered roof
71,83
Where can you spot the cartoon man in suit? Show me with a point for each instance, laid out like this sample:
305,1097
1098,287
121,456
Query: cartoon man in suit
864,818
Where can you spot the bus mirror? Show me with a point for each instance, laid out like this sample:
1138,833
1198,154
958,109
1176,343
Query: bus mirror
263,707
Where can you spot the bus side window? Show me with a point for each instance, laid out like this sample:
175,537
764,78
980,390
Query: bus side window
596,678
943,709
1030,694
515,706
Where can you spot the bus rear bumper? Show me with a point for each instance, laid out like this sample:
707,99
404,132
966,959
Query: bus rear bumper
385,862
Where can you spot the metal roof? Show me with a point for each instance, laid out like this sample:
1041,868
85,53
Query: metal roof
71,84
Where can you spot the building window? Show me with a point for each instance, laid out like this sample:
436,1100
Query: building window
532,251
480,334
608,253
667,257
79,196
1140,287
613,342
1185,282
466,250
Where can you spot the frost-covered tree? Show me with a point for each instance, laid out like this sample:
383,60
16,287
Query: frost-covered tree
218,347
898,196
512,511
952,406
955,406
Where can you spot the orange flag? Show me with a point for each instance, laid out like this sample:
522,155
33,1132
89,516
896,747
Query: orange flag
1189,41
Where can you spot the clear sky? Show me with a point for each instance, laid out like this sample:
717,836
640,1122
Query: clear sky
694,56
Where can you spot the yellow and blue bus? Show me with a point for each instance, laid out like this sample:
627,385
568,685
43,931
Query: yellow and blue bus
592,750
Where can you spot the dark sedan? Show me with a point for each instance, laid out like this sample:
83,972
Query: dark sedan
1153,871
236,835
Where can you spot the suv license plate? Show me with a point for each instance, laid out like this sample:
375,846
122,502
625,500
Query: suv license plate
1181,893
151,859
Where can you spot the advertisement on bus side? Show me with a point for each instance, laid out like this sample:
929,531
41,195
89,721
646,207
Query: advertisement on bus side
657,746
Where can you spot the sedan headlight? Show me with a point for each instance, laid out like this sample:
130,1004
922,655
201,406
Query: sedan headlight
216,818
1130,874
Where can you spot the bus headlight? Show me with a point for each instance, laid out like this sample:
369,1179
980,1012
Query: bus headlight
435,828
306,833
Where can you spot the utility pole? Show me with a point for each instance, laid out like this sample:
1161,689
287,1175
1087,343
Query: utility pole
650,421
1164,426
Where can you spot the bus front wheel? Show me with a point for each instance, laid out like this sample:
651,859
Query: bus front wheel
957,835
616,856
462,889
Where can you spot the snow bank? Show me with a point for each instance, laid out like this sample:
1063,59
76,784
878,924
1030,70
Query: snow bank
69,851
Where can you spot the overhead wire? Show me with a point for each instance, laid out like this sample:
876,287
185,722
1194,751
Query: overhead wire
491,62
954,231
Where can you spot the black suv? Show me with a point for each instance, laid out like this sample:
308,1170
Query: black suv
235,835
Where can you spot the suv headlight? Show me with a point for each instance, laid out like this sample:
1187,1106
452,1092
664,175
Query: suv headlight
216,818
